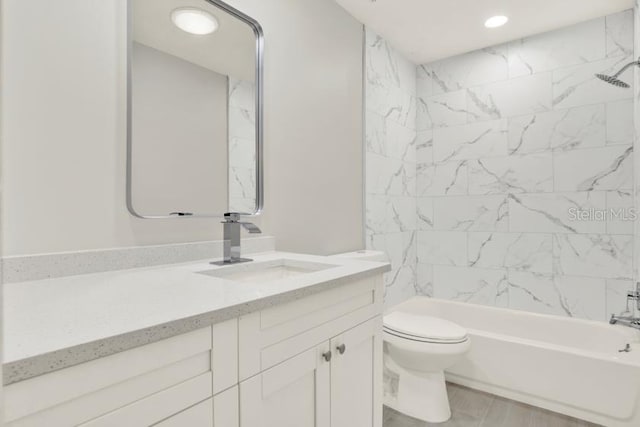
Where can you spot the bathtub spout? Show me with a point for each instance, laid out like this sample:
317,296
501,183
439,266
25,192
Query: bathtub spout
632,322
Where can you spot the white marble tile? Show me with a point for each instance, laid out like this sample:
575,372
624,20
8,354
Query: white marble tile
399,247
619,27
579,297
536,293
391,102
424,212
571,45
555,212
518,251
616,297
578,127
242,153
508,98
401,251
400,141
241,122
424,147
242,183
470,69
443,110
470,141
442,248
532,173
621,212
442,179
381,62
387,214
471,213
424,82
375,133
242,189
577,85
473,285
593,255
424,280
606,168
620,122
389,176
400,285
241,93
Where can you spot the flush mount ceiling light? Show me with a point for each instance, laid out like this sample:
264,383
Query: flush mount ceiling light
496,21
194,21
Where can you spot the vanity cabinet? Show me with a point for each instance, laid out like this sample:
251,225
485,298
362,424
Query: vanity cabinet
139,387
316,361
313,361
336,383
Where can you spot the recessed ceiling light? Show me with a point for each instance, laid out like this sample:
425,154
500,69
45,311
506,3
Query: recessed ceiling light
496,21
194,21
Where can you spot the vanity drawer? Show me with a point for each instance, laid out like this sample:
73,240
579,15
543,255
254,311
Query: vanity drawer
158,406
200,415
220,411
90,390
273,335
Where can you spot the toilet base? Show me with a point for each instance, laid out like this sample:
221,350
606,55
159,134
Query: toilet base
423,396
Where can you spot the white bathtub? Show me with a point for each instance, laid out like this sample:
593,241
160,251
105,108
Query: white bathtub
566,365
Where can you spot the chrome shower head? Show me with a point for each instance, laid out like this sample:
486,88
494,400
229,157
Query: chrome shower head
612,80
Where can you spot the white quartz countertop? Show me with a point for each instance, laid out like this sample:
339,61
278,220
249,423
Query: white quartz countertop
55,323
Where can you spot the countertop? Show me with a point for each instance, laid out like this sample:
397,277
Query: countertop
55,323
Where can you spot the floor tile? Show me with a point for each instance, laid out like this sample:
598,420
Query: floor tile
470,402
473,408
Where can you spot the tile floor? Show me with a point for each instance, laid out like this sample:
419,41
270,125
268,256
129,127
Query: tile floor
472,408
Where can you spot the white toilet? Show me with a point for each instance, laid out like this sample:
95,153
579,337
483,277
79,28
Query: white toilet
418,348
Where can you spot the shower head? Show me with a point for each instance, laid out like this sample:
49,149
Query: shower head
614,80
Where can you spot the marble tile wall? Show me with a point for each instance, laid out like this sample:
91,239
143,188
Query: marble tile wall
522,158
392,152
242,157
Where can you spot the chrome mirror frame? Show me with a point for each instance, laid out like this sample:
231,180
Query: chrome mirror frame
259,116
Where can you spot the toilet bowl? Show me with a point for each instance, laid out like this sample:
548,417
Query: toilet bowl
418,349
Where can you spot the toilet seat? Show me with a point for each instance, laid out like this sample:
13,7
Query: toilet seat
421,328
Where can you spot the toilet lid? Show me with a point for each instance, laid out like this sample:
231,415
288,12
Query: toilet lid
423,328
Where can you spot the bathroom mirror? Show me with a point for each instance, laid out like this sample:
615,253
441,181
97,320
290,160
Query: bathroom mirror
194,134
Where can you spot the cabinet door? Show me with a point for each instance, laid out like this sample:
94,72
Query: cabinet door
295,393
356,376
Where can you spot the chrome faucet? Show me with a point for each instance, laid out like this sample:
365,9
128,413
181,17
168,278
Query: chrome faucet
627,318
232,225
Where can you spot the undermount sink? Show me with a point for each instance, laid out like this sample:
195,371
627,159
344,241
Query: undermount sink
266,270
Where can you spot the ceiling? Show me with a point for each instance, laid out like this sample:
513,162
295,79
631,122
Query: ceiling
427,30
229,51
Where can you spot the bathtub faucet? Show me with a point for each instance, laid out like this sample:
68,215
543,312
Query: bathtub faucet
627,318
632,322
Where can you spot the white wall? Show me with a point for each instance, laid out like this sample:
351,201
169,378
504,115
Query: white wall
63,163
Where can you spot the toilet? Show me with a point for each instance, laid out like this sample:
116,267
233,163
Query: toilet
418,348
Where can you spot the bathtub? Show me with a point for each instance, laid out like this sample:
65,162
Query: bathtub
566,365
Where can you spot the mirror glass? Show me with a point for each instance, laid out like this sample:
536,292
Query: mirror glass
194,114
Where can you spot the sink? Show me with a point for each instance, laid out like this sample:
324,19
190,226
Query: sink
266,270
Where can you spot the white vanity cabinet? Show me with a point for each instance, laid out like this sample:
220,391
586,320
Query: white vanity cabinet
314,361
320,387
143,386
